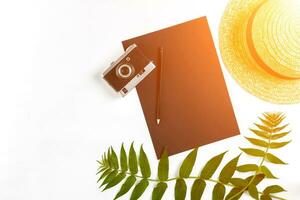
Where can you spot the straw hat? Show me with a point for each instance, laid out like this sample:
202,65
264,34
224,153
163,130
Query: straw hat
260,46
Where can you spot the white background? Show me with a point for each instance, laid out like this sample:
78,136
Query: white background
57,116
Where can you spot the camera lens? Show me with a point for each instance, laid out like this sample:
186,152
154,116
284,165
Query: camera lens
124,71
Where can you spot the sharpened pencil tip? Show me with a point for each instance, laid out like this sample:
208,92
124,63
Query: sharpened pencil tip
157,121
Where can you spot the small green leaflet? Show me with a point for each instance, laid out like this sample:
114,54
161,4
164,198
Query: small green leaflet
273,189
104,174
126,186
159,191
133,164
109,158
218,192
114,159
247,168
279,135
188,164
117,179
180,189
101,170
139,189
123,159
267,172
277,145
197,189
257,179
234,194
253,152
264,128
109,177
257,142
280,128
163,166
144,164
252,190
273,159
211,166
238,182
260,133
228,171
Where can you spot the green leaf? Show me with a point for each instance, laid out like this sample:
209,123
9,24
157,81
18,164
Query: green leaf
101,169
114,159
159,190
126,186
257,179
116,180
211,166
109,158
228,170
238,182
100,162
247,168
276,145
144,164
197,189
123,159
139,189
218,192
257,142
279,135
267,172
273,189
264,128
163,166
273,159
260,133
104,174
235,193
188,164
109,177
105,159
253,152
133,164
252,190
265,197
180,189
275,130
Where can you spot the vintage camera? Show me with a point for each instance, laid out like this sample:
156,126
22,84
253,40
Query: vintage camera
128,70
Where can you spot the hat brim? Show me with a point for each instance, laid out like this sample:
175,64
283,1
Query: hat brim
242,66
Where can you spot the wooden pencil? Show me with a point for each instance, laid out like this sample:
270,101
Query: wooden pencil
159,83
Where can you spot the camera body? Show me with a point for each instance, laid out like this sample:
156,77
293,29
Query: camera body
128,70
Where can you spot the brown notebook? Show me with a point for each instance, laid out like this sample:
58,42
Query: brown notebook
195,107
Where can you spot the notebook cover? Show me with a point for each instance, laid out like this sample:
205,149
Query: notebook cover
195,105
